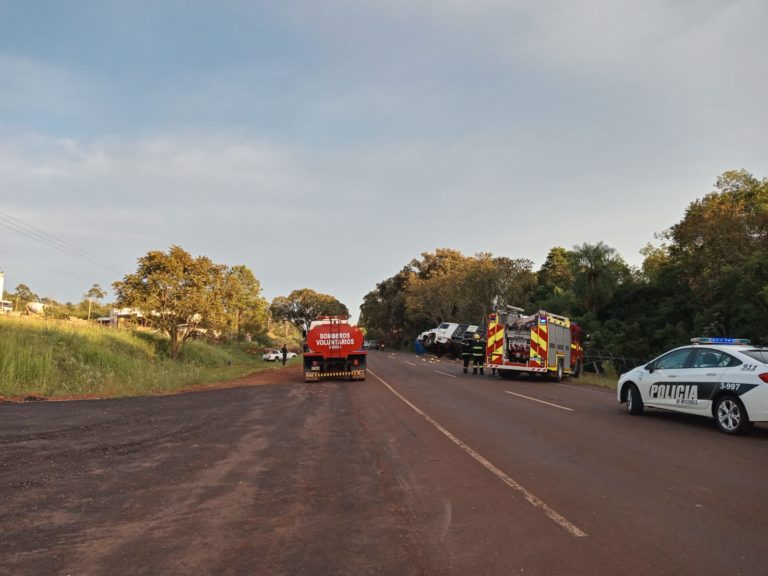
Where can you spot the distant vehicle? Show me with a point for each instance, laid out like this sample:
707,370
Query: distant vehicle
447,338
334,350
6,306
275,355
725,379
371,345
35,307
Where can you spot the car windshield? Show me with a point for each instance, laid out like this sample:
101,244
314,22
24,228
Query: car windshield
759,355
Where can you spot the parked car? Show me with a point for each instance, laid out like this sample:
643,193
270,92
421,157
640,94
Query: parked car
275,355
725,379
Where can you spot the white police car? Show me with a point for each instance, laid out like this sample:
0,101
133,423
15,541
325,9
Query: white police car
721,378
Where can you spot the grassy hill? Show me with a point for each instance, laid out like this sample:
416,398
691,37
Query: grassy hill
52,358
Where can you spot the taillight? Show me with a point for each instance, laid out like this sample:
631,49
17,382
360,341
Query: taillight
763,376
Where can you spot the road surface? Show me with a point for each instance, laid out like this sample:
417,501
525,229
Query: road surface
419,470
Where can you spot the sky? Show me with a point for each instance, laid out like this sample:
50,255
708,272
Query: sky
325,144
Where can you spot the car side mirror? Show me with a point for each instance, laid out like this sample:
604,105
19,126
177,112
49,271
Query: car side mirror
650,367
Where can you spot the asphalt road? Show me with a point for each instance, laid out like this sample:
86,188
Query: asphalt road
417,470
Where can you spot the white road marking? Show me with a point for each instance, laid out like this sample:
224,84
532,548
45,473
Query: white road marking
537,400
553,515
444,374
411,363
586,388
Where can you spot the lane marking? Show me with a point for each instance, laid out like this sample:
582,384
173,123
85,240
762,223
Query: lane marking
444,374
542,401
411,363
553,515
586,388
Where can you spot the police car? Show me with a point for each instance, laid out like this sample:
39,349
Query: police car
721,378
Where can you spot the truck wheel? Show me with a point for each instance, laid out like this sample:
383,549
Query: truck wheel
578,370
730,415
559,374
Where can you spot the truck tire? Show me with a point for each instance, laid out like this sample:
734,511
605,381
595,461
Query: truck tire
578,370
559,373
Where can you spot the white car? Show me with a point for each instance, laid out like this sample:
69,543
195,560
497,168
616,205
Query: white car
275,355
721,378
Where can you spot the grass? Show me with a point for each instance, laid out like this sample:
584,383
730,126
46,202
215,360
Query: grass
53,359
598,380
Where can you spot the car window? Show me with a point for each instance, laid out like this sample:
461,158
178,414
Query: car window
759,355
708,358
673,360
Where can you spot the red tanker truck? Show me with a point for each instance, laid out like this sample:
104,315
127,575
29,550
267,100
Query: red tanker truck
334,350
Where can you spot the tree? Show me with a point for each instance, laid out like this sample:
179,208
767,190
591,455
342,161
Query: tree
24,294
95,293
302,306
597,270
244,303
177,293
383,311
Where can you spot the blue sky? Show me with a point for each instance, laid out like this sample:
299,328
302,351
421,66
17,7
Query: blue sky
326,144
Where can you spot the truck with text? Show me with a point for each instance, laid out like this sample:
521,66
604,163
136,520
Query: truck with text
540,343
334,349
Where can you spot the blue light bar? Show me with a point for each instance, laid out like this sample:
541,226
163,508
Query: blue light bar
704,340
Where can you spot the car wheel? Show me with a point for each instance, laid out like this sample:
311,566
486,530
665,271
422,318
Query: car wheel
634,400
730,415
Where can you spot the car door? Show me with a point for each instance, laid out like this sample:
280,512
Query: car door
667,374
699,379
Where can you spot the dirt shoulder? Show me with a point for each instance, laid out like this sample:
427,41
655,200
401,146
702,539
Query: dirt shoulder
270,376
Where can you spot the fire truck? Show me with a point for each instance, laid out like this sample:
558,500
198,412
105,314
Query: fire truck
334,349
540,343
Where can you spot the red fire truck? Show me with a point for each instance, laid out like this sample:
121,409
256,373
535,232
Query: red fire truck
334,350
540,343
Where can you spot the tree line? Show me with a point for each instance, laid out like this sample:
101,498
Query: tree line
707,276
185,296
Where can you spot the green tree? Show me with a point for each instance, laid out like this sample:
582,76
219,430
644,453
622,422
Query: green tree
177,293
302,306
25,294
95,293
598,271
245,306
383,311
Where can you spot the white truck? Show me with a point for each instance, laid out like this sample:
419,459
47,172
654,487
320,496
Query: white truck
448,336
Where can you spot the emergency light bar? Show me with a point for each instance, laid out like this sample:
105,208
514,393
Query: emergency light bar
719,341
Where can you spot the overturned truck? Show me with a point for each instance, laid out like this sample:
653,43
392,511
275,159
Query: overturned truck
446,339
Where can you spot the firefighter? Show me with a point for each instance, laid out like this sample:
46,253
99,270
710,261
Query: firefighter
478,354
466,352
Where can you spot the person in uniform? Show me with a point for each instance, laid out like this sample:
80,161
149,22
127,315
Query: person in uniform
466,352
478,354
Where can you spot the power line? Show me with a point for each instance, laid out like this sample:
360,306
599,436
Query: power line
52,241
